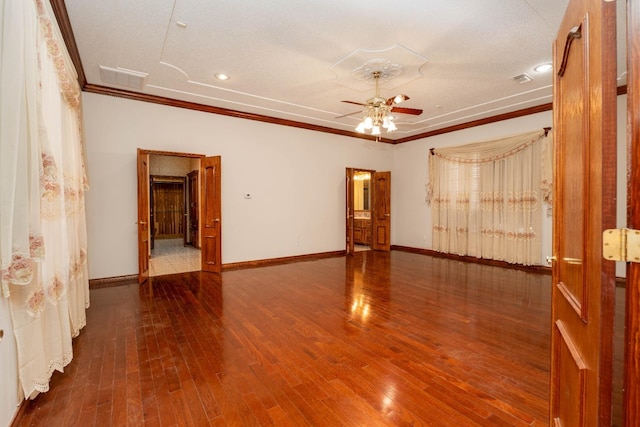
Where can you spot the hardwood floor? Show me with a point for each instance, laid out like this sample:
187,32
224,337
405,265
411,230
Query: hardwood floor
373,339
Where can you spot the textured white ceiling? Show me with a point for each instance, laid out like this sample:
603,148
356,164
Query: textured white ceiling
297,60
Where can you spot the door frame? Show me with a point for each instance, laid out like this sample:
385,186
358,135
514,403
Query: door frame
143,275
349,211
350,207
631,398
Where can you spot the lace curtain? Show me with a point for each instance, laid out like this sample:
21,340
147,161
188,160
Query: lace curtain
42,218
486,198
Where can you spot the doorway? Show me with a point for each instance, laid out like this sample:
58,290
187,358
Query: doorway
368,210
362,210
167,208
204,175
173,206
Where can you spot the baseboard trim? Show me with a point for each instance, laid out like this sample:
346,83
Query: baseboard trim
283,260
540,269
621,282
132,279
109,282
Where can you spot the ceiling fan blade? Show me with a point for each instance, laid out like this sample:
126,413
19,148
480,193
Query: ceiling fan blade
402,110
347,115
353,102
397,99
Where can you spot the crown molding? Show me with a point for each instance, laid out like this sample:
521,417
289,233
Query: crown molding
60,11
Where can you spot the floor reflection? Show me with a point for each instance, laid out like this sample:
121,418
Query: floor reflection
371,339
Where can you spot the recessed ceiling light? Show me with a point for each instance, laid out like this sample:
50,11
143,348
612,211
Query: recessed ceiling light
222,76
543,68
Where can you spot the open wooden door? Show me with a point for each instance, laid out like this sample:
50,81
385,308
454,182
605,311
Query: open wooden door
350,211
143,216
193,208
211,241
381,214
584,113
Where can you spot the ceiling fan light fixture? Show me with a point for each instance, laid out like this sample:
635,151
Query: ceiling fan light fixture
377,113
391,127
400,98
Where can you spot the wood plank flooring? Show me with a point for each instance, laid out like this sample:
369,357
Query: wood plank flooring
373,339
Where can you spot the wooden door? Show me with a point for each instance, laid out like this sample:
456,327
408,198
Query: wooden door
211,241
152,216
168,207
143,216
185,214
632,330
349,211
584,114
381,212
194,208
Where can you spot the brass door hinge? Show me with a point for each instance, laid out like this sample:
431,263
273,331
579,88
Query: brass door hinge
621,244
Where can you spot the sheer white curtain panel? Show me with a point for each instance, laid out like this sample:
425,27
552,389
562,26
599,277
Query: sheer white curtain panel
486,198
42,219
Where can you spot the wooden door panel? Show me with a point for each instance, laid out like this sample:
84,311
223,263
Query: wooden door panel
571,378
350,213
574,86
211,214
210,247
381,215
584,113
143,216
381,236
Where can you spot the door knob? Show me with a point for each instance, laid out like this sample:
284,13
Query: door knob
1,334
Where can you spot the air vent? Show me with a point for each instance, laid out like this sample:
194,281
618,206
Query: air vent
523,78
122,77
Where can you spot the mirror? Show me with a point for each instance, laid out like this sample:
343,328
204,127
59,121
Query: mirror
362,194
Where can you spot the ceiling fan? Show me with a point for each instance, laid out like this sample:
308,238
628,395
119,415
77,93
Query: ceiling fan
377,110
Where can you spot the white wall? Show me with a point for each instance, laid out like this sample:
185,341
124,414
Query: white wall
296,178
